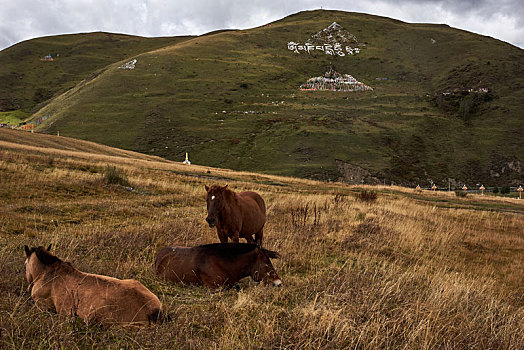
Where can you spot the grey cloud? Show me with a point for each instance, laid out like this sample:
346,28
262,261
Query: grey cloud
24,19
481,8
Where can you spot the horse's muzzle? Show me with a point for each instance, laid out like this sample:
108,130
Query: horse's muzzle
211,222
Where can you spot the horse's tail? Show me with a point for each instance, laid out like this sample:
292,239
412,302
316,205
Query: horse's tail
159,316
155,264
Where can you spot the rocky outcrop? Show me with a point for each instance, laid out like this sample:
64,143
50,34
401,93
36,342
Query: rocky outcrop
508,172
355,175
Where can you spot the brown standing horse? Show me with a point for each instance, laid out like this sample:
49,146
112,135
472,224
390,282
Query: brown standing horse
217,265
59,286
236,215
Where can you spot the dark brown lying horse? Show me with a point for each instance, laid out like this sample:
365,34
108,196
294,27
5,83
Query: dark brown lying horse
216,265
235,215
59,286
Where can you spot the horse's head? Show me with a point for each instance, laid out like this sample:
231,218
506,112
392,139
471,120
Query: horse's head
215,200
37,258
263,270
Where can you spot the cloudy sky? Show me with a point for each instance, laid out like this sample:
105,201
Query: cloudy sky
25,19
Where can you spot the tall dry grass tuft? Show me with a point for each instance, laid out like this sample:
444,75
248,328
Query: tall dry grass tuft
367,196
113,176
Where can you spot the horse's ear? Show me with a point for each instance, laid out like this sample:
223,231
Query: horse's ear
49,248
27,251
226,186
207,188
271,254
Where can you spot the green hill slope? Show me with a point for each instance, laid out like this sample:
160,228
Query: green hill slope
26,80
232,99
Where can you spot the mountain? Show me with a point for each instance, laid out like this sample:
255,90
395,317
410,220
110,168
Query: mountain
445,103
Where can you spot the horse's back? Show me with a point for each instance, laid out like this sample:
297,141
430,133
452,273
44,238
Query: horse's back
112,300
253,198
253,213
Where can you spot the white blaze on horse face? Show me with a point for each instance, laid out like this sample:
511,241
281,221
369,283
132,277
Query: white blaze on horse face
277,283
212,197
28,273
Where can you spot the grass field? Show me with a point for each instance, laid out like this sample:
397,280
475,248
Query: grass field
405,271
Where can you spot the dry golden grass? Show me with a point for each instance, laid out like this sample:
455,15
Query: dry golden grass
409,270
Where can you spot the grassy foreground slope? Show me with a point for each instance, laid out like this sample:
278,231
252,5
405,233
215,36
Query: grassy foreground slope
399,272
52,144
231,99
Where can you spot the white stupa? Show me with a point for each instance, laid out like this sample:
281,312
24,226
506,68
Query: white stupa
187,160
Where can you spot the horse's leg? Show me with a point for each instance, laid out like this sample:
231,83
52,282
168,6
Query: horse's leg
208,281
258,237
249,239
236,237
216,279
222,236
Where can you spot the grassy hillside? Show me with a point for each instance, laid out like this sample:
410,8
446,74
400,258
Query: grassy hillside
408,270
26,81
231,99
53,144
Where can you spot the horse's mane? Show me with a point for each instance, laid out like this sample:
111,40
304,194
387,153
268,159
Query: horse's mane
226,191
229,192
230,250
44,256
49,259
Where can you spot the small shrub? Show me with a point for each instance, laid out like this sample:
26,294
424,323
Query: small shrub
460,193
495,190
301,214
339,198
367,196
504,190
49,161
368,229
113,176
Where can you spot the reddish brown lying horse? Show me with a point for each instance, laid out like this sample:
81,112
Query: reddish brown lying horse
235,214
59,286
216,265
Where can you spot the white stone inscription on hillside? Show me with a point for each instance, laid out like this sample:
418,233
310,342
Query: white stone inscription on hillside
334,81
128,65
328,49
332,40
